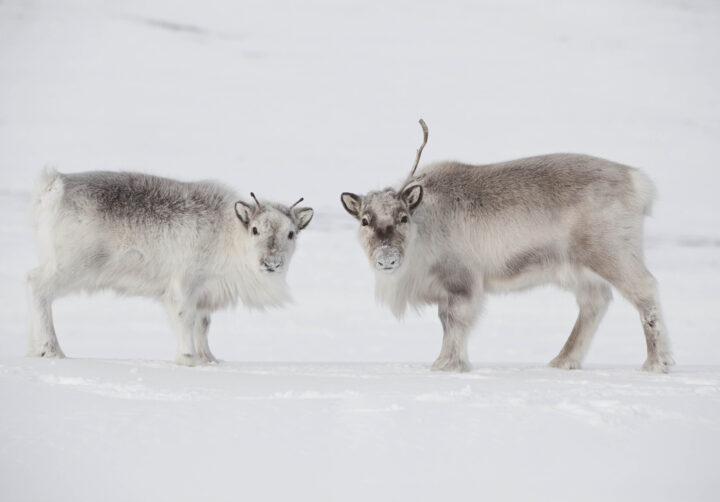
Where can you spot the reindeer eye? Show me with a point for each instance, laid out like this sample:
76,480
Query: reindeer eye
404,219
364,222
255,232
291,234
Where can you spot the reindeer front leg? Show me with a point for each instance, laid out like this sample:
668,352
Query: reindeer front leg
457,314
182,311
202,325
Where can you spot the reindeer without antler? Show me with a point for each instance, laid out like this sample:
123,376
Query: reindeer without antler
454,232
194,246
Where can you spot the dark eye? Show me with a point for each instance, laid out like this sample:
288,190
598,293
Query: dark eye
291,234
364,222
255,232
404,219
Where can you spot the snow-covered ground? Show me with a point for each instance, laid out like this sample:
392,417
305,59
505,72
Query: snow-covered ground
332,398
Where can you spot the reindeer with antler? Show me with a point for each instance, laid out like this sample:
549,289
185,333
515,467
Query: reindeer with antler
194,246
453,232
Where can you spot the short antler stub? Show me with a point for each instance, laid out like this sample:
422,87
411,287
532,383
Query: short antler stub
298,202
257,202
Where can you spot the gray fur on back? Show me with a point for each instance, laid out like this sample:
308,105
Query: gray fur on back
547,183
144,199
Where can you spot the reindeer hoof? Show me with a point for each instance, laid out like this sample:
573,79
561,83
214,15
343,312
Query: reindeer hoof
455,365
47,350
187,360
207,359
659,364
565,363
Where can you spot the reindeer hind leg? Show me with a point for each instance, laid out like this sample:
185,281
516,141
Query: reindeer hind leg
42,340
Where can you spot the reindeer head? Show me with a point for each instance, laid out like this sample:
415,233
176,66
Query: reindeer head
272,231
386,225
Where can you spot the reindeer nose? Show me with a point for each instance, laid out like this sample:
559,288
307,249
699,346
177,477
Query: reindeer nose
272,263
386,258
387,261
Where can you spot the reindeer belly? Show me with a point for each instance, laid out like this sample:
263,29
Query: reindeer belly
562,274
128,272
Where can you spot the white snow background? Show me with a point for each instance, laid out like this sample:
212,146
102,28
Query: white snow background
332,398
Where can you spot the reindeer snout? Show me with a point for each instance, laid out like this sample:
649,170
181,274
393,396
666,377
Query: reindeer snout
386,258
272,263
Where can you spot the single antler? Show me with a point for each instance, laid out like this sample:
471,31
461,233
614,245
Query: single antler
419,152
298,202
417,157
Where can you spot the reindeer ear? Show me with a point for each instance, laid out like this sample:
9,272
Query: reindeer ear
303,215
412,196
244,211
351,203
